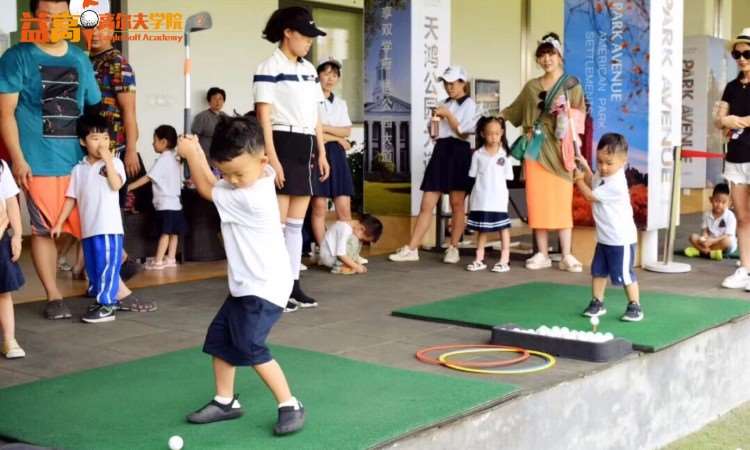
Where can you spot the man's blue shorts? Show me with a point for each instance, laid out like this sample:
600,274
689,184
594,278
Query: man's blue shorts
615,262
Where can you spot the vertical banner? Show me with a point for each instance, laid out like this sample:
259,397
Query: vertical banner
387,96
706,69
431,43
627,55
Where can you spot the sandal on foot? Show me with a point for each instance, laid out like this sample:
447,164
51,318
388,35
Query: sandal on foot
570,264
153,265
501,267
133,303
476,266
56,310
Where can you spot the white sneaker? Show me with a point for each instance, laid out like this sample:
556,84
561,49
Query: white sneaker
361,260
538,261
738,280
302,267
451,255
12,350
404,254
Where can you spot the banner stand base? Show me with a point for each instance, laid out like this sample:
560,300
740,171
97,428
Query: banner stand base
667,267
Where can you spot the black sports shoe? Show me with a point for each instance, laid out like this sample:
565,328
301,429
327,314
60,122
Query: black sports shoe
633,313
300,298
56,309
215,411
99,313
290,306
291,419
595,309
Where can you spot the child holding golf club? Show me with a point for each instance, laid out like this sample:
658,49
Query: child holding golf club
259,274
287,97
491,167
616,234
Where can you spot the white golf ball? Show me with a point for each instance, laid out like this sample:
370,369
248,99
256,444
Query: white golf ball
175,443
594,321
89,19
609,336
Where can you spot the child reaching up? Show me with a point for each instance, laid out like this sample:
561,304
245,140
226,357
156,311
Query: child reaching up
616,234
258,269
165,181
491,167
343,241
11,278
718,237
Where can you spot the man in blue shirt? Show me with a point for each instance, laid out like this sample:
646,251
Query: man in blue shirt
44,88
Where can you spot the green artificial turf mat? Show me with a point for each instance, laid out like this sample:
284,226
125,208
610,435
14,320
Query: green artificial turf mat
669,318
140,404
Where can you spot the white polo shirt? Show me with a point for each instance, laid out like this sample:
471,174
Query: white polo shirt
335,241
465,110
257,260
98,203
292,88
334,113
612,210
490,193
8,186
726,224
165,182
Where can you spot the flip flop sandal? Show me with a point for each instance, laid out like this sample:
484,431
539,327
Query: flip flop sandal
476,266
132,303
501,268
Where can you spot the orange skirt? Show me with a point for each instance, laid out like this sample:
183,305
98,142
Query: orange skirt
549,198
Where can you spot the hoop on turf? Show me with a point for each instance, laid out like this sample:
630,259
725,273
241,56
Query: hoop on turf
464,368
421,355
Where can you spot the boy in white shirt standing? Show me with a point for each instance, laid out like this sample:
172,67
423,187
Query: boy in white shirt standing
258,269
616,234
94,184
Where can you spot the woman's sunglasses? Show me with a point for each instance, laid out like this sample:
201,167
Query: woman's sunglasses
745,54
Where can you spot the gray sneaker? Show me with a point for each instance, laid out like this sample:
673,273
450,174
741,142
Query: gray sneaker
291,419
56,309
215,411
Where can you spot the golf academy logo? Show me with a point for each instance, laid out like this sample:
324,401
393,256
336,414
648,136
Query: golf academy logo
89,14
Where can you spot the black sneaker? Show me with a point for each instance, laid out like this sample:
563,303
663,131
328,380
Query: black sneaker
595,309
99,313
633,313
300,298
291,419
215,411
290,306
56,309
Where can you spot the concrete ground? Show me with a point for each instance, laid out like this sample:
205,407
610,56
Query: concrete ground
353,319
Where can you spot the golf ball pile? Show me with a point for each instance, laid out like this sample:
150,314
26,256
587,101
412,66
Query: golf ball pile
565,333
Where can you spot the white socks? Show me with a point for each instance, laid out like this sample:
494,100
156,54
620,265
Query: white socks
293,238
291,402
227,400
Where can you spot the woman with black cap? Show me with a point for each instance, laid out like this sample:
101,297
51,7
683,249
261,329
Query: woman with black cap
733,117
287,96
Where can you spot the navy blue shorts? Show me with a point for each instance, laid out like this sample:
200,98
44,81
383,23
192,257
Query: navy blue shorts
170,222
11,277
615,262
239,331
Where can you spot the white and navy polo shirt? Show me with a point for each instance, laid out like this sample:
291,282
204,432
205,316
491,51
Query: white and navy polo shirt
465,110
98,203
726,224
292,87
334,113
613,213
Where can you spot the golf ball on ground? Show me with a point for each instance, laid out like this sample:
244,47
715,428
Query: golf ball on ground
175,443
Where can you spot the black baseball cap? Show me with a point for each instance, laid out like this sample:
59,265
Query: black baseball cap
299,19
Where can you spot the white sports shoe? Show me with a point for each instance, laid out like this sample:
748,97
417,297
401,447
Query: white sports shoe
12,350
451,255
738,280
538,261
404,254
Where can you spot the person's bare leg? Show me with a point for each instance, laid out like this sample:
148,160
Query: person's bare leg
741,202
174,239
458,216
224,377
429,200
542,241
598,286
44,255
343,206
481,243
161,248
7,320
505,251
123,291
80,262
631,291
723,244
273,376
318,218
566,241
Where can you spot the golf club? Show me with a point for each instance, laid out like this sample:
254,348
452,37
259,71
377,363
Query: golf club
197,22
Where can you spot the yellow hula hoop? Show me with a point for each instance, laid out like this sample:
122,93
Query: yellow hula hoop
444,360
